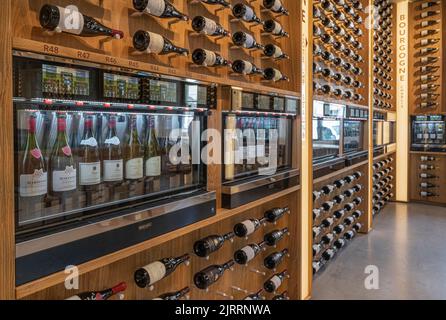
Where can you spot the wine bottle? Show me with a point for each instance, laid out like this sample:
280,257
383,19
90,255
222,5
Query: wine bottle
275,28
33,173
273,51
206,58
113,163
223,3
152,157
207,277
158,270
149,42
248,253
275,6
273,283
339,244
246,13
89,160
275,259
247,227
274,237
282,296
69,20
174,295
246,68
205,247
62,167
245,40
274,215
255,296
272,74
159,8
328,254
134,155
100,295
349,235
209,27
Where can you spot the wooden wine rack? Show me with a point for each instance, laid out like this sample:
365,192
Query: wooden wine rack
120,15
414,57
390,155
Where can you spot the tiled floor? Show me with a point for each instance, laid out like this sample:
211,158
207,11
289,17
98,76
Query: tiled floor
408,248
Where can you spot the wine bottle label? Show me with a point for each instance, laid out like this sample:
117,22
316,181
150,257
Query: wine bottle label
211,58
276,281
156,7
67,151
113,170
250,253
157,299
134,169
277,6
71,21
249,42
248,67
277,28
210,26
32,185
249,14
153,167
64,180
278,52
250,227
36,153
91,142
74,298
277,75
156,44
114,141
156,271
89,173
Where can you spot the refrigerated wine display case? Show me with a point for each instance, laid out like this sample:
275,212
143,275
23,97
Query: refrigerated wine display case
355,135
257,146
428,133
105,158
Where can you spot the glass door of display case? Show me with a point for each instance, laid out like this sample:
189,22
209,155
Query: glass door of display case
428,133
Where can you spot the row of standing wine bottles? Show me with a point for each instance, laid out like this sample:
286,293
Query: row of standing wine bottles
336,217
87,164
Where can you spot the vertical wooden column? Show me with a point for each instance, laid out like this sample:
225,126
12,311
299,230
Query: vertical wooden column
7,272
369,221
307,149
402,84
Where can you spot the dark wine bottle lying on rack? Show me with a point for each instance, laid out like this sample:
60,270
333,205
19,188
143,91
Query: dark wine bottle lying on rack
159,8
275,259
272,74
246,40
275,6
59,19
245,68
275,28
248,253
154,272
210,275
272,284
275,214
207,246
100,295
207,58
282,296
247,227
274,51
274,237
149,42
174,295
245,13
209,27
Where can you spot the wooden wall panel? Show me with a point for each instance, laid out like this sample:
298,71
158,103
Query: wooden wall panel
7,251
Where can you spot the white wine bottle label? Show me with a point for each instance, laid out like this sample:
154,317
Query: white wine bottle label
277,75
250,253
277,5
156,44
92,142
278,53
249,42
153,167
89,173
249,14
134,169
248,67
71,20
32,185
74,298
114,141
210,26
156,271
276,281
211,58
277,28
424,42
113,170
64,180
156,7
250,227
